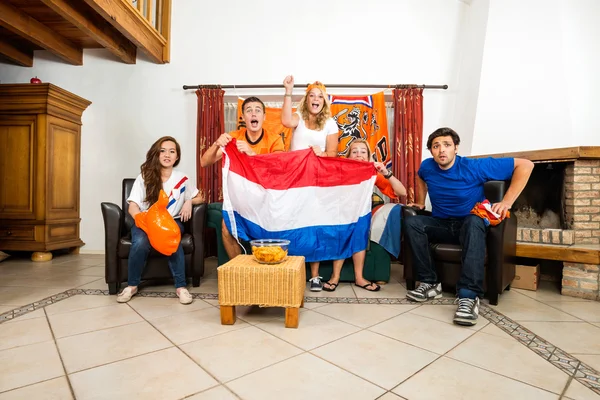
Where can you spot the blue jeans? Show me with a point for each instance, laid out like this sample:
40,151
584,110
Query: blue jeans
469,232
138,254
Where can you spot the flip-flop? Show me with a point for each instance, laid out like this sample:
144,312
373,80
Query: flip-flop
377,287
330,289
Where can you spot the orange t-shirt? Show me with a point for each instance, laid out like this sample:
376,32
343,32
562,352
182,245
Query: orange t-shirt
385,186
266,143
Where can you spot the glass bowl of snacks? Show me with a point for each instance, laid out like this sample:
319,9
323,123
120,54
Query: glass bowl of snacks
270,251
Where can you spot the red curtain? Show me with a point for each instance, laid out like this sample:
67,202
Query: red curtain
408,134
211,124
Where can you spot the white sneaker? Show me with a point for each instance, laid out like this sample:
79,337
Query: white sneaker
184,296
126,294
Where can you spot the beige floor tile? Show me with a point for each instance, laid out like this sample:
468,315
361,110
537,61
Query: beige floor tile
310,374
591,360
445,313
97,271
20,296
390,396
577,391
30,315
109,345
24,332
214,303
389,290
314,330
312,306
446,379
4,309
99,284
378,359
588,311
343,290
410,328
216,393
522,308
508,357
80,302
206,286
76,322
363,315
251,348
55,389
22,366
148,287
67,282
157,307
195,325
167,374
82,261
548,291
572,337
492,329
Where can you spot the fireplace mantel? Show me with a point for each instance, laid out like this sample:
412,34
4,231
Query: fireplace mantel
549,155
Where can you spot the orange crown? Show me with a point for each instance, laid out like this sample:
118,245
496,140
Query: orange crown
317,85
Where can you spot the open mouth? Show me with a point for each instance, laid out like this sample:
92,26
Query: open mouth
254,123
315,106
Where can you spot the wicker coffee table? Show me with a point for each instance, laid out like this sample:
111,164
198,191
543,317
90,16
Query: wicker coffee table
243,281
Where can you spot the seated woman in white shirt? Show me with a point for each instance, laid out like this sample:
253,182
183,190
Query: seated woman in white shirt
313,128
158,173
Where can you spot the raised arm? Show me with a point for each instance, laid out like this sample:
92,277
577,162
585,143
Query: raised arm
519,179
288,119
214,152
397,186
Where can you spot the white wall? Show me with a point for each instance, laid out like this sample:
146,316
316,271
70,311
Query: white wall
240,42
539,81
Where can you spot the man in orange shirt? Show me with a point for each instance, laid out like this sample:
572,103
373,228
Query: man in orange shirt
251,140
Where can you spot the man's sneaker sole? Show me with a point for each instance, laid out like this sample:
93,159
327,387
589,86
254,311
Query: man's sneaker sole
420,300
317,289
465,321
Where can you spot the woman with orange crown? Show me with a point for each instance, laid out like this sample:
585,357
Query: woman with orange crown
313,128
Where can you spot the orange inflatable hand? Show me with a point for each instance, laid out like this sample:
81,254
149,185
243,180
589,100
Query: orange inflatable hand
162,230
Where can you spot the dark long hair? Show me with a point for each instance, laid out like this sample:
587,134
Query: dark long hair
151,168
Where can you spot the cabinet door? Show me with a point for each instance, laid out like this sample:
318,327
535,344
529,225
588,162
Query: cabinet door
17,155
62,160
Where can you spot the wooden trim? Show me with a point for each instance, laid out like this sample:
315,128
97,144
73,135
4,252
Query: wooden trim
165,28
21,57
17,21
573,253
95,27
127,20
560,154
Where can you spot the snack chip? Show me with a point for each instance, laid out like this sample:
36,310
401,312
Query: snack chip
269,254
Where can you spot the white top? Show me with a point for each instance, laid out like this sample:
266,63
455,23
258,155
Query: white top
303,138
178,187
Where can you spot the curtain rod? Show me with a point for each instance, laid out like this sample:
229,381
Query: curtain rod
345,85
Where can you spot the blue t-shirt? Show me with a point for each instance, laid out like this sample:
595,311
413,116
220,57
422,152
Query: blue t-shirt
454,192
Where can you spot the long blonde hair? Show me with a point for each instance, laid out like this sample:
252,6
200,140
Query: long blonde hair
359,141
325,112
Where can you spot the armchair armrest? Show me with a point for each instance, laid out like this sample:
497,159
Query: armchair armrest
502,253
113,218
197,226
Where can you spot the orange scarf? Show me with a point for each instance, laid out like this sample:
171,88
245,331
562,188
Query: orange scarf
484,210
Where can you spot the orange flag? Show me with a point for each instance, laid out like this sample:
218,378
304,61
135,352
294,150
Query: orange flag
362,117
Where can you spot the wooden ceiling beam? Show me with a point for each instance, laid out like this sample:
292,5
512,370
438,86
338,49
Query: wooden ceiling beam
21,57
22,24
128,21
95,27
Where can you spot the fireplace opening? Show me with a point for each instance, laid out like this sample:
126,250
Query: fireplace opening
540,205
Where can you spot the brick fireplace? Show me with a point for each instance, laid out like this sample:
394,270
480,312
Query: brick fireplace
558,215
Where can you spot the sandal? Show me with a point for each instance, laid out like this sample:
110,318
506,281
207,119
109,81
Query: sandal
377,287
332,288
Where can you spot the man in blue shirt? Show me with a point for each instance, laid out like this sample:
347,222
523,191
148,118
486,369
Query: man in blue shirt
455,184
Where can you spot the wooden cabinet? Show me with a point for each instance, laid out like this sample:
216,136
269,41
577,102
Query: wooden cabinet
40,141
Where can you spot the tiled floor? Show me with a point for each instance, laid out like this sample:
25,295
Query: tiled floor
63,337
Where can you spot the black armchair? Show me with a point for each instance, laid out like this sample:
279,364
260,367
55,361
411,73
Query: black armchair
499,259
117,231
